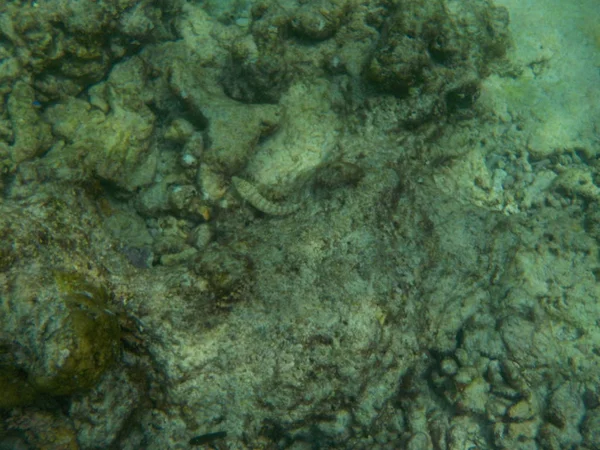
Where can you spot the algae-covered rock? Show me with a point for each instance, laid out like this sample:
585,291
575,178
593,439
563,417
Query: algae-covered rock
31,134
233,129
317,20
577,180
63,337
87,343
39,429
255,74
16,390
114,147
433,55
60,323
65,46
228,273
57,332
71,337
305,142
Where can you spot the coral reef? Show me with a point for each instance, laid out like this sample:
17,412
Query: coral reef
296,225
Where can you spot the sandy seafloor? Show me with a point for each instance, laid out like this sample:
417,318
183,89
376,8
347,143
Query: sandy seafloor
300,225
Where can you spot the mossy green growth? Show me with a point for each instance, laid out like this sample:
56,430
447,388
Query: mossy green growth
90,335
78,292
16,391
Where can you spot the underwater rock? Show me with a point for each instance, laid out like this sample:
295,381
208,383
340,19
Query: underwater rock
256,71
229,274
58,333
16,390
77,40
590,427
179,131
79,338
32,135
338,174
39,429
114,146
306,141
425,58
317,20
578,180
63,337
233,128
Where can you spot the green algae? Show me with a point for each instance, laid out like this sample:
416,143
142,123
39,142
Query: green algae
70,355
91,335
